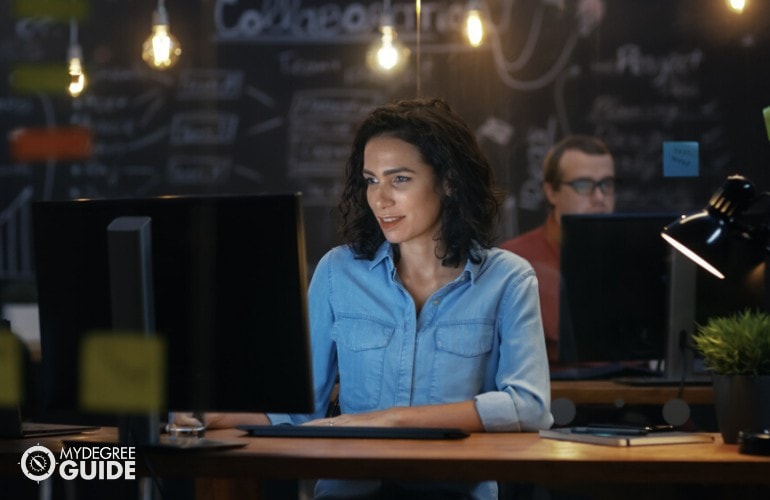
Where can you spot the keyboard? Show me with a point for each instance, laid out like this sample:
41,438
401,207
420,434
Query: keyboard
664,381
361,432
599,372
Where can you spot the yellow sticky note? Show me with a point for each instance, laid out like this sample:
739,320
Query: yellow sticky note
122,373
52,9
11,370
45,78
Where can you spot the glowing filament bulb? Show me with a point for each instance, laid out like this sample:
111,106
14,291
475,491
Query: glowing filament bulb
737,5
474,28
387,55
161,50
77,76
161,46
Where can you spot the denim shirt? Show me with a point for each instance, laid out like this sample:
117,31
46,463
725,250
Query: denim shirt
478,338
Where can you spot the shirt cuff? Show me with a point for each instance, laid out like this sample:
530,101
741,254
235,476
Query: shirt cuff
279,418
497,412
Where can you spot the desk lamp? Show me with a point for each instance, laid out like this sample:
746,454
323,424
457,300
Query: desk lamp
732,229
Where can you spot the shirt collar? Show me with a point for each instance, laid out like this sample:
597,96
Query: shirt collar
384,252
472,270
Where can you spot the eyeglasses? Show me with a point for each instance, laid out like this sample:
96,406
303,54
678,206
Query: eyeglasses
585,186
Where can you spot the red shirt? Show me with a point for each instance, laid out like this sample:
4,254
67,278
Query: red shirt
541,247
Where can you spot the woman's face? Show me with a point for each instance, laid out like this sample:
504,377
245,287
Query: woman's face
402,191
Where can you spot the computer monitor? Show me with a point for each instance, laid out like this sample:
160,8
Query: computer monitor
614,287
626,295
228,282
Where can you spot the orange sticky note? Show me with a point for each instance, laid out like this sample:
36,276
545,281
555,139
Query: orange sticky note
38,144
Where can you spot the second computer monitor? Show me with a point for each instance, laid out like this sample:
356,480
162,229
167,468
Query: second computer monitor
614,287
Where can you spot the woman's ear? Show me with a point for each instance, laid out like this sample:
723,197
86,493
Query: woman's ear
448,191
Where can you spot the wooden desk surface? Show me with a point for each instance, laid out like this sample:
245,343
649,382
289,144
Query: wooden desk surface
513,458
609,392
506,457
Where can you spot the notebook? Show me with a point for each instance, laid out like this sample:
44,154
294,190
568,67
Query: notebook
12,426
609,439
360,432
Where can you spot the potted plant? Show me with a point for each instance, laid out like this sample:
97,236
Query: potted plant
736,349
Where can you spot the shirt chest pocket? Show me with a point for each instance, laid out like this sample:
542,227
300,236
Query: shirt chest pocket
465,339
361,349
461,360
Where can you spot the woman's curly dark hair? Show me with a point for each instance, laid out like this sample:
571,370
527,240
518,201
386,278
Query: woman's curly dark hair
471,208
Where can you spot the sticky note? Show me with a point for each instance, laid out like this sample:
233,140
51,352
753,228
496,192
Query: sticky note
44,78
11,370
766,114
38,144
680,159
122,373
52,9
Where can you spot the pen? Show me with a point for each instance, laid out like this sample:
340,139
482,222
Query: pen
609,430
621,430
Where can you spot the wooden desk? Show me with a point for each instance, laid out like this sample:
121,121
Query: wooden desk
511,457
609,392
505,457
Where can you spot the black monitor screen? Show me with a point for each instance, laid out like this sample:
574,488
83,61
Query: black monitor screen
614,289
229,286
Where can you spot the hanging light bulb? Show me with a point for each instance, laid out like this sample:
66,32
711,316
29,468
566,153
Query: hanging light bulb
737,6
75,58
474,27
77,76
161,50
389,55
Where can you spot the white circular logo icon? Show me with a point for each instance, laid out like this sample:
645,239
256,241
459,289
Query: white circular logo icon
38,463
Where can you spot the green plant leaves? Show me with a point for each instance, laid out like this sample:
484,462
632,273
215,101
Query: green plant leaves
737,344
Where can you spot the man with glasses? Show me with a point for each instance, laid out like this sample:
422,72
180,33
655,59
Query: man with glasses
578,178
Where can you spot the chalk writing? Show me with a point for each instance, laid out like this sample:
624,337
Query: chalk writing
321,124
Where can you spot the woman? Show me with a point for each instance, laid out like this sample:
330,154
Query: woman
424,323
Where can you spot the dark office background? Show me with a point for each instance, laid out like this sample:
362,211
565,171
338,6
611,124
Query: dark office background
267,94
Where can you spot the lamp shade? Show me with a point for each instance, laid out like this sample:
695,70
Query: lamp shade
717,238
701,238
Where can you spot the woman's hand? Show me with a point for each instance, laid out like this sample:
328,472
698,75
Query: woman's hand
383,418
227,420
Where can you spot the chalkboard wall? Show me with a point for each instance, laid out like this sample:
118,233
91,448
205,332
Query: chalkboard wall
267,94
